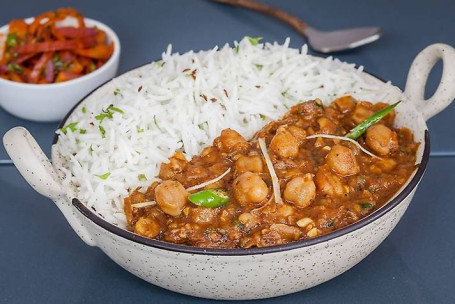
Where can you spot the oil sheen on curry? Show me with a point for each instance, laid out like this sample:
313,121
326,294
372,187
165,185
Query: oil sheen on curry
298,178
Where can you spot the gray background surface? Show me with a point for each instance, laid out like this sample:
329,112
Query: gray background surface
43,261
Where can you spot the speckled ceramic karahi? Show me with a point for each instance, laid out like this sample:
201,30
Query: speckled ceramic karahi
256,272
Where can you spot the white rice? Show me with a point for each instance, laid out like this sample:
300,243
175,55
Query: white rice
252,86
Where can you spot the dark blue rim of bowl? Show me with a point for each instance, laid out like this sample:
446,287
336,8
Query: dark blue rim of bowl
98,220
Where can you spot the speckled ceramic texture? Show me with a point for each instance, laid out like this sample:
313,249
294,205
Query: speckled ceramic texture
256,273
251,276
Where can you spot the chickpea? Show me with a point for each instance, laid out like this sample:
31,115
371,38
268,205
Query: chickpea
298,133
176,164
284,144
345,103
230,141
329,184
342,161
249,188
171,197
381,139
326,126
249,163
362,111
300,190
148,227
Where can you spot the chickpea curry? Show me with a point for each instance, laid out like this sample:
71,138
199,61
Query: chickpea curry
298,178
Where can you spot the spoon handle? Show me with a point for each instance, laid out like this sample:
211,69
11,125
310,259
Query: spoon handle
287,18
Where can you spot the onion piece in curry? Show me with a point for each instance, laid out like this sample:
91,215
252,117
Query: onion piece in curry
324,183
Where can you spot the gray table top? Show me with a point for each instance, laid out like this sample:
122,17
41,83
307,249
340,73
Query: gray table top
43,261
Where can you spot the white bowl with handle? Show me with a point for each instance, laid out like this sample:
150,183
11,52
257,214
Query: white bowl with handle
255,272
51,102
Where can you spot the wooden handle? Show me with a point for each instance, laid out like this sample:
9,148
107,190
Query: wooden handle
293,21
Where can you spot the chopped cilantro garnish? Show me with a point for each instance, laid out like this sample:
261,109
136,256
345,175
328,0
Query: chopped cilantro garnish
11,40
159,64
259,66
112,108
117,91
14,67
142,177
366,206
58,63
82,131
103,132
90,149
92,67
254,40
71,126
140,130
107,113
263,117
84,110
236,49
284,93
104,115
103,176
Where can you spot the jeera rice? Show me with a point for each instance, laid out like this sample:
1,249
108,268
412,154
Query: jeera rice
117,138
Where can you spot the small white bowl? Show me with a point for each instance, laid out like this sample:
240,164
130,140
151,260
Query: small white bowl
50,102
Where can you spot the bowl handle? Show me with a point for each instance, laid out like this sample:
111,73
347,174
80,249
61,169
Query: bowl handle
418,75
38,171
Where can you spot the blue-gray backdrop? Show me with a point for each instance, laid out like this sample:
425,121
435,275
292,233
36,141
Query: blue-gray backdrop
43,261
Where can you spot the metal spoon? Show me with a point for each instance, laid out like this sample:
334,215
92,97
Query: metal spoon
321,41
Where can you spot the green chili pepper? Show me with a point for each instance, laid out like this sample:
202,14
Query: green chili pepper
364,125
211,198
